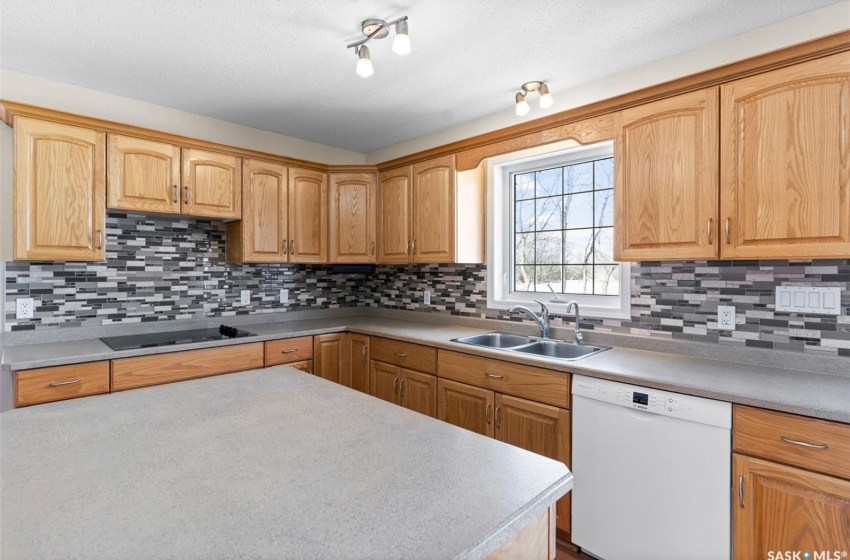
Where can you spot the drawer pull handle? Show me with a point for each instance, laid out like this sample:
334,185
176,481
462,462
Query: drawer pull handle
290,351
60,383
400,354
741,490
493,375
487,413
804,444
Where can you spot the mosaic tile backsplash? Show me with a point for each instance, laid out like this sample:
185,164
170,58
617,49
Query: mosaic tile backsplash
163,268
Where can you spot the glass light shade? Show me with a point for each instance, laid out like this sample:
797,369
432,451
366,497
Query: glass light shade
364,63
522,107
546,99
401,42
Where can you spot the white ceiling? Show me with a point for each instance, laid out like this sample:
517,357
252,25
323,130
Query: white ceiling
282,65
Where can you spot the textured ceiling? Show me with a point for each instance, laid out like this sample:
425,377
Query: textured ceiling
282,66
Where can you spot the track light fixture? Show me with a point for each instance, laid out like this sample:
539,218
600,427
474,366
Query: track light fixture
546,99
378,29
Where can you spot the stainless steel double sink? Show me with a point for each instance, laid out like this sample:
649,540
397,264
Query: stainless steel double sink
547,348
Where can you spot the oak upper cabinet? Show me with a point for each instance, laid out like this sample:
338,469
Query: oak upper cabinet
142,175
308,216
261,235
666,179
785,162
60,192
212,184
428,213
352,217
434,210
465,406
358,361
395,229
330,357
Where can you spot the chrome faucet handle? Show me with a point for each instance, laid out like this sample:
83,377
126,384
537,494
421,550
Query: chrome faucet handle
544,310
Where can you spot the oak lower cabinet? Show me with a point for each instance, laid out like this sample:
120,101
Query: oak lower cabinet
59,192
466,406
413,390
352,218
289,351
58,383
212,184
330,358
358,361
142,175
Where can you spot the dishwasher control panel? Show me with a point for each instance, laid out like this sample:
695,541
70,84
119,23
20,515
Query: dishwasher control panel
665,403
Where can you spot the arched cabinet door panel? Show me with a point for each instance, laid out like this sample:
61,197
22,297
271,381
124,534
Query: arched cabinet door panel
142,175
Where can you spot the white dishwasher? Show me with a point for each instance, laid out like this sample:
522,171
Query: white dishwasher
652,473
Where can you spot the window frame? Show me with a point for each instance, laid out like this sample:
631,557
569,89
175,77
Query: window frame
500,233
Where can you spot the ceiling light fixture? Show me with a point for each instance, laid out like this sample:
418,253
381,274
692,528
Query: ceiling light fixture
378,29
546,99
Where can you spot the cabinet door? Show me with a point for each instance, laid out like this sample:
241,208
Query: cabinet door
418,392
212,184
60,192
329,353
785,176
434,210
308,216
305,366
261,234
465,406
359,361
352,218
667,179
395,215
143,175
784,508
384,381
538,428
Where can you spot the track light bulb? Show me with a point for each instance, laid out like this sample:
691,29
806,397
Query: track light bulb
522,107
364,63
401,43
546,99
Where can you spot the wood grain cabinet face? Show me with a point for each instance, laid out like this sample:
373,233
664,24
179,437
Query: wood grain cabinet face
784,508
667,179
61,382
308,216
359,358
383,382
418,392
212,184
329,358
785,162
288,350
395,207
466,406
143,175
434,210
261,235
352,218
60,192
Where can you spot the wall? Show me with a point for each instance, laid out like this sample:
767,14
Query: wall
799,29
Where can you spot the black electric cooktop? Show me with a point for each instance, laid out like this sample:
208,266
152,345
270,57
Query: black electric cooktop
174,337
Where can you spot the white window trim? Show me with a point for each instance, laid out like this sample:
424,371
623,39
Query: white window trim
500,244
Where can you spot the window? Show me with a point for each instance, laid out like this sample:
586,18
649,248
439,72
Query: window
552,232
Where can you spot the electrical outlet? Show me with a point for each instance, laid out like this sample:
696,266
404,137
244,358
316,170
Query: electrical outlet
426,297
284,296
726,317
245,297
24,308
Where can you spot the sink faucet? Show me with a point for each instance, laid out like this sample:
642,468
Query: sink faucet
542,321
579,335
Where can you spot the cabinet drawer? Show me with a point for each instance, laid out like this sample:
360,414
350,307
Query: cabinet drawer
289,350
129,373
61,382
761,432
405,354
532,383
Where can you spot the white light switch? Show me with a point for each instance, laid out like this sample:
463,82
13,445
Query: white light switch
808,299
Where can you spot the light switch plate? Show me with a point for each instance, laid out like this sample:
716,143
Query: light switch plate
726,317
426,297
24,308
809,299
245,297
284,296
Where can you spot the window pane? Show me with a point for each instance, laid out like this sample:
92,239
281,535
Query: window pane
547,275
524,215
606,280
605,245
524,186
578,279
524,248
549,182
578,177
604,208
578,247
548,249
603,174
578,210
549,213
523,278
